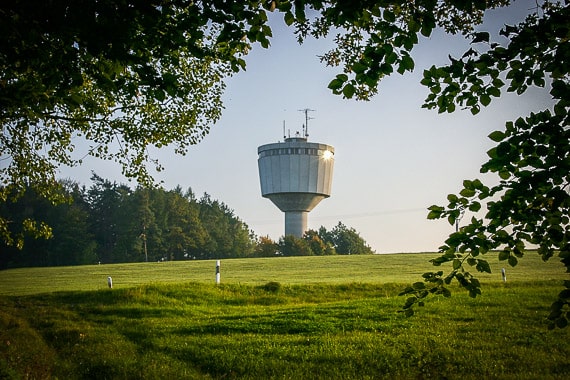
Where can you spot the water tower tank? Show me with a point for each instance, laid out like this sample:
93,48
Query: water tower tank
296,175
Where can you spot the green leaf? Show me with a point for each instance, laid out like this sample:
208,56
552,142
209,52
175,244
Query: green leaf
289,18
492,153
241,63
159,95
483,266
359,67
389,16
391,57
407,290
497,136
497,83
515,64
477,184
419,285
335,84
375,10
539,82
434,215
452,198
493,91
467,193
480,37
504,174
436,208
169,78
427,25
560,110
348,91
475,206
428,82
407,63
504,255
456,264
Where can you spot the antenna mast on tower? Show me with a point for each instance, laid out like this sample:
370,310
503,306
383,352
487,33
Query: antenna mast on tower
307,118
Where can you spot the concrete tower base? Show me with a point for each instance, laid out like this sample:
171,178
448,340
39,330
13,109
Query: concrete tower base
295,223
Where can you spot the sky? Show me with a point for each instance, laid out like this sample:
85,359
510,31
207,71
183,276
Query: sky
393,159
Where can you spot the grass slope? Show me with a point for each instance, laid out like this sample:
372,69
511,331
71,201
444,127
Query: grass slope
395,268
329,318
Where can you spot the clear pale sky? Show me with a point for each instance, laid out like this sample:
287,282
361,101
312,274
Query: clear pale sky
393,159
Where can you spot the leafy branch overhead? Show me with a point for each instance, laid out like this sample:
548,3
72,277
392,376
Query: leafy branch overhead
530,207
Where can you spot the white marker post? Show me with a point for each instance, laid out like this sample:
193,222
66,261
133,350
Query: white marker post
217,271
504,274
110,282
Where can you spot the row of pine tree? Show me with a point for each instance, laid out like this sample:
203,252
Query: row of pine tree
111,223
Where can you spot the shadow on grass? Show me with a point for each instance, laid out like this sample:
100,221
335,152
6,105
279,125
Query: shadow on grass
308,320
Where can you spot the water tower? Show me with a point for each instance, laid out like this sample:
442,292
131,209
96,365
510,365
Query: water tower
296,175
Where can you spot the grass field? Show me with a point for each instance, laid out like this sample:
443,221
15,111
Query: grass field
395,268
321,318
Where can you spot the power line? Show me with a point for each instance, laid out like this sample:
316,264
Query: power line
351,216
369,214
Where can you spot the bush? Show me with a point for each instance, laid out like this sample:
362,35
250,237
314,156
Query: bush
272,287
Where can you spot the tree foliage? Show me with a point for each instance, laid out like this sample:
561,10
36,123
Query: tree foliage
530,207
341,240
122,76
265,247
112,223
345,240
317,244
73,243
290,245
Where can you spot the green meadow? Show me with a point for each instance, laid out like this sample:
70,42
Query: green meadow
332,317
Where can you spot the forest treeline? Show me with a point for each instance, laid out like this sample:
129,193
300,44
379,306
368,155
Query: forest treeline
113,223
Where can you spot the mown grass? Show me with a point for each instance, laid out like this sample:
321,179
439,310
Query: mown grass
335,329
395,268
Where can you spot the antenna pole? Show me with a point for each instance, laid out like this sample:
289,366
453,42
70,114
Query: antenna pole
307,118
